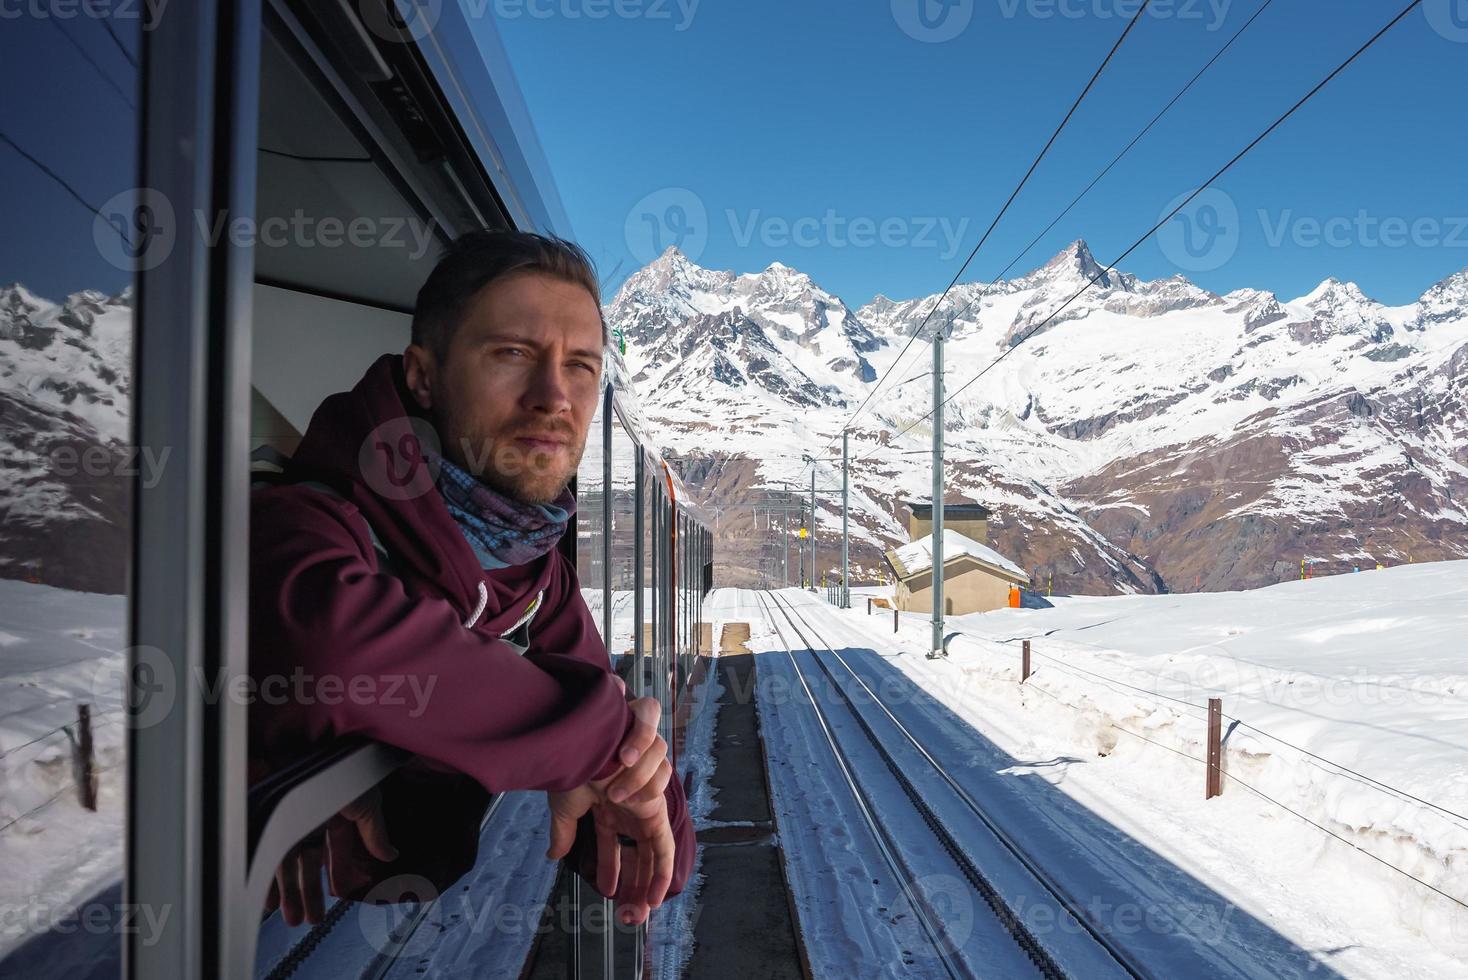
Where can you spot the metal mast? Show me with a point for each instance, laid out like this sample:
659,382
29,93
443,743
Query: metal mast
845,508
785,527
938,606
813,525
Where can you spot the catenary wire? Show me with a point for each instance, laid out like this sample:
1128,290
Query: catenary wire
1034,165
1108,168
107,26
87,57
1168,217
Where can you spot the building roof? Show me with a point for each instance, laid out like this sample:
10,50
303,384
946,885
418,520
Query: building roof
961,512
917,557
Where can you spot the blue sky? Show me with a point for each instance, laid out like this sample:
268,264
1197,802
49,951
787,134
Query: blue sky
85,129
766,130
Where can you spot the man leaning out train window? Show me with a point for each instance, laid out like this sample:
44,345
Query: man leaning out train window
408,557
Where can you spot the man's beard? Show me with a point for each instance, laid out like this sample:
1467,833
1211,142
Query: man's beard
527,476
535,485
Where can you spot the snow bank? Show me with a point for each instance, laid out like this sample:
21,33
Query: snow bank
60,648
1345,700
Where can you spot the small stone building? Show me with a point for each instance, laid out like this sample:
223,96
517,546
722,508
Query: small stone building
976,578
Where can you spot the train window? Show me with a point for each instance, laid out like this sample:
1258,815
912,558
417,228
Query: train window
137,831
591,521
626,610
651,613
68,187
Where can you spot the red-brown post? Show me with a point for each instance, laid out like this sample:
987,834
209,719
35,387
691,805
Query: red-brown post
869,605
894,619
1215,748
1024,666
86,764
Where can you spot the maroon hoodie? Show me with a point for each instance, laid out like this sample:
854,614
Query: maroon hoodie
411,655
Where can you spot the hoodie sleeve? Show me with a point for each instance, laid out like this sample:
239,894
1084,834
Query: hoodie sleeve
339,648
570,632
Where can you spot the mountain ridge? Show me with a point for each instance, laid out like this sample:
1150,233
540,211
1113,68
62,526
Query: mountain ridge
1156,437
1090,418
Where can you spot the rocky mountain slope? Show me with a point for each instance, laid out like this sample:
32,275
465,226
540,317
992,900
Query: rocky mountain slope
1153,436
65,375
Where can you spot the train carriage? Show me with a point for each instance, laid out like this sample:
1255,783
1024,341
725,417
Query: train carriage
298,165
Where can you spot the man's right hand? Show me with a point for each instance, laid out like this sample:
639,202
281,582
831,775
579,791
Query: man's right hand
630,804
296,890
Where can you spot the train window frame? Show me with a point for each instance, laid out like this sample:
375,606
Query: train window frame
185,787
200,842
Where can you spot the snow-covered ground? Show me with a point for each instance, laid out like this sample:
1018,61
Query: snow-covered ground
57,649
1346,753
1346,714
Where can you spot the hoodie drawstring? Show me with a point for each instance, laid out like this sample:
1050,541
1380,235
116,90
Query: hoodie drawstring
479,609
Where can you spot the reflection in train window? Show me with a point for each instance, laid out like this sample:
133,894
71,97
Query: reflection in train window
77,230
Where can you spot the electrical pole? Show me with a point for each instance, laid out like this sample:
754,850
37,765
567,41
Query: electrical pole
845,508
804,533
812,525
785,525
938,607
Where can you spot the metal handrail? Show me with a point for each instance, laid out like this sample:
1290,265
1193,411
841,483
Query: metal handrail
288,805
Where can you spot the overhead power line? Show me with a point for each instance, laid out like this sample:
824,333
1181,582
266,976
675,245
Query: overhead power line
1110,166
1168,217
87,57
917,332
61,181
107,26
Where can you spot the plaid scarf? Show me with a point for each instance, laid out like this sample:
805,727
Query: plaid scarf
502,532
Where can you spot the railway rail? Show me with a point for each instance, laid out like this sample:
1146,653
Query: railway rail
929,919
1108,953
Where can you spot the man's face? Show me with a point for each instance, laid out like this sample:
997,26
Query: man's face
516,394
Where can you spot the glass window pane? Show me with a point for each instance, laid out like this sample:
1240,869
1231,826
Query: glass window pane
591,528
624,538
76,229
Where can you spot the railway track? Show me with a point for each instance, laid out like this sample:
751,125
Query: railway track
1107,957
929,919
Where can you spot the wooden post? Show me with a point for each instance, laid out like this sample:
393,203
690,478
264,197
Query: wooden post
869,605
1215,748
1024,667
86,763
894,619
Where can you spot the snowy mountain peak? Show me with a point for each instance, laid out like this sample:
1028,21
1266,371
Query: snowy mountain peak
1076,257
1339,308
15,300
779,278
672,255
673,267
1445,301
1334,292
1068,271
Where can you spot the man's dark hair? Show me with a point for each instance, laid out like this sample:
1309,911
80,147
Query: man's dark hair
478,258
